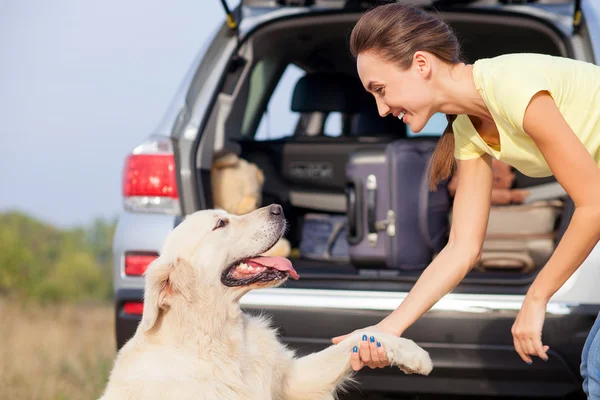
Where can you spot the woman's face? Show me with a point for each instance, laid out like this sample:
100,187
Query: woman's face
399,92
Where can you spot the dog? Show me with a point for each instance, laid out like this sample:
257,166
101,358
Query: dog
194,341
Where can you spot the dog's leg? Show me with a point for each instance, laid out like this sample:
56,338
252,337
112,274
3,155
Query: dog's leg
320,375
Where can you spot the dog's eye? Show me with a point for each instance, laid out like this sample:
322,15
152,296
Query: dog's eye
221,224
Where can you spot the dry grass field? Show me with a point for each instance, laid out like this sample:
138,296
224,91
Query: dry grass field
58,352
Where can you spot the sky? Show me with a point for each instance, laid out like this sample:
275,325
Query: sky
81,84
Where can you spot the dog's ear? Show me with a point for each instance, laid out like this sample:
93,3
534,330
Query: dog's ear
165,280
226,160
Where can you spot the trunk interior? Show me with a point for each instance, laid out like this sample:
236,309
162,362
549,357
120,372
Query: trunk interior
304,167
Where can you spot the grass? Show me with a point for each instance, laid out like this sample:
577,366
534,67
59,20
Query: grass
55,352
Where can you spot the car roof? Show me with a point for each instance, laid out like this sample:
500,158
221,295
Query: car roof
252,13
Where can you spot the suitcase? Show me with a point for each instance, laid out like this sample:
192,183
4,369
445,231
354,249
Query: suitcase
393,220
520,237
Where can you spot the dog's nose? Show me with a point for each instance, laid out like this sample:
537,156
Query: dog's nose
276,209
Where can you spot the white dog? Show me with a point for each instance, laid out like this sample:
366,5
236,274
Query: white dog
194,342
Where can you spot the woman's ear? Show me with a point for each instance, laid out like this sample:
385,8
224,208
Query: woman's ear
422,63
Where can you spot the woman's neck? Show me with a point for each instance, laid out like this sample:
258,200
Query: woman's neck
457,92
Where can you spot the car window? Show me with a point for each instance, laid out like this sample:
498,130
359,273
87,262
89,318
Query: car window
434,127
278,120
333,125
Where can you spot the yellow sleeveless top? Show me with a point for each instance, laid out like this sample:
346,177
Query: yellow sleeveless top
507,83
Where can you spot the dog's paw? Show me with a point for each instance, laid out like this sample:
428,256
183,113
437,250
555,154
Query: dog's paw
403,353
408,356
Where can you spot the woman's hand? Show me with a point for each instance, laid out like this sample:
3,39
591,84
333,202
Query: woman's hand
527,330
371,352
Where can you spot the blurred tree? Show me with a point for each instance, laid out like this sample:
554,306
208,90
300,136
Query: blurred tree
38,261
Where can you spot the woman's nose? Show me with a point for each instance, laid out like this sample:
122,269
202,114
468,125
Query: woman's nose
382,108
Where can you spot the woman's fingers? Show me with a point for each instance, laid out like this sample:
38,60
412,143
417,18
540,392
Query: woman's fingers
382,354
527,345
365,351
370,352
375,361
539,349
373,353
520,350
355,359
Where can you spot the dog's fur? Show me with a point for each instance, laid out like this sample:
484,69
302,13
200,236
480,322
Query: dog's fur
194,342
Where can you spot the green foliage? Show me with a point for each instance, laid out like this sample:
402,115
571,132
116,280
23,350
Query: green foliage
41,262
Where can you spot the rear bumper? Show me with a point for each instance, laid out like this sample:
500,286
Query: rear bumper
471,347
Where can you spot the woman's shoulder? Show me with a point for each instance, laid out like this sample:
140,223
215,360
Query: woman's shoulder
508,82
522,59
523,65
513,63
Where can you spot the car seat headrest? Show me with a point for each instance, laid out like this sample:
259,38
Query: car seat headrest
329,92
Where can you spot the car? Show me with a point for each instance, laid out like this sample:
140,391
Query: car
259,87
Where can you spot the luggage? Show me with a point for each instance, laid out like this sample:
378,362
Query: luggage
324,237
520,237
319,162
393,220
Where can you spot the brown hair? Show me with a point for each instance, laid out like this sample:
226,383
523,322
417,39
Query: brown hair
395,32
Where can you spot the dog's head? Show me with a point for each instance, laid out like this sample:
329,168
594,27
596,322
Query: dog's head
212,251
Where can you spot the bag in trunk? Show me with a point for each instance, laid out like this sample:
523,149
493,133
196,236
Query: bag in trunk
394,221
324,237
520,237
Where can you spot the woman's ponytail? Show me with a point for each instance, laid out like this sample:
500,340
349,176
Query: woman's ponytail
442,160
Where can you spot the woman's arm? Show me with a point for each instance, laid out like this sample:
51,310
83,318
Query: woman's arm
469,222
579,175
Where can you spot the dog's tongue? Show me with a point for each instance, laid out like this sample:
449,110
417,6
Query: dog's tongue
278,263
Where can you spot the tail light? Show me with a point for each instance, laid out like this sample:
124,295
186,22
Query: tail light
137,263
149,178
133,308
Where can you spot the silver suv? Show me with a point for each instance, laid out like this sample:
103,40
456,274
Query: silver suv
247,93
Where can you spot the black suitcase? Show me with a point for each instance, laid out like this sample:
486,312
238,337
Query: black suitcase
394,221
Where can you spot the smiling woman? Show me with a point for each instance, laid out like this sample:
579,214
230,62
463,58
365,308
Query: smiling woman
376,38
530,111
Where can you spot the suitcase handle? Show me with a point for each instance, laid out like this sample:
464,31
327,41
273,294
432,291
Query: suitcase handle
371,202
506,261
354,226
355,199
423,212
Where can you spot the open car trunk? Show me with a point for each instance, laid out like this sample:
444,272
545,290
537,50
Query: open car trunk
304,168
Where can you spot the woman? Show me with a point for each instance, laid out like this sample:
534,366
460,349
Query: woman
531,111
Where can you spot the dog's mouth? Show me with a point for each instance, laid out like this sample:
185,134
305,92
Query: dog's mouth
260,269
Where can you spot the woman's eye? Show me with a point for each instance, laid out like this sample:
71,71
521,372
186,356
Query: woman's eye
220,224
379,90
